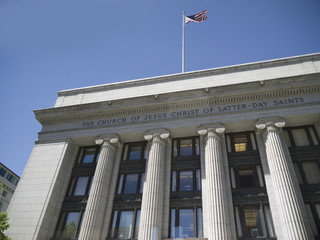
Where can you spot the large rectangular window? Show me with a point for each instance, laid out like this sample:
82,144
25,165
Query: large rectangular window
186,147
125,224
300,136
88,155
246,176
186,180
131,183
186,223
254,221
135,151
241,142
307,171
69,224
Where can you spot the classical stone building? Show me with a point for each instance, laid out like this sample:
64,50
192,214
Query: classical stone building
9,181
225,153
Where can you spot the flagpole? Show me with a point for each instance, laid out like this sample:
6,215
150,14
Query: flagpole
183,24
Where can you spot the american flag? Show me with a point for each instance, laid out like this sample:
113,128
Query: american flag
199,17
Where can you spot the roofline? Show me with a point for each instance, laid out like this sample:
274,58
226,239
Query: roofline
219,70
10,170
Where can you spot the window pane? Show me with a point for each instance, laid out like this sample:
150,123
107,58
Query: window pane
260,177
312,221
71,224
197,146
240,142
238,223
246,176
135,153
173,229
267,214
252,221
136,232
81,186
142,182
175,148
199,222
186,181
317,206
298,174
186,223
125,224
198,180
174,181
313,136
131,183
300,137
186,147
286,137
253,142
113,226
312,171
89,155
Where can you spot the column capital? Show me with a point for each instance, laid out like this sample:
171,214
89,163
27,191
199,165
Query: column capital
270,122
161,134
213,128
109,138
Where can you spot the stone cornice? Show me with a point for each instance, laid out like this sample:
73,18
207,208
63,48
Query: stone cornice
98,110
201,73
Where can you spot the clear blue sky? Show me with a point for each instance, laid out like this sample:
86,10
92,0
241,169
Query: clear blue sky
48,46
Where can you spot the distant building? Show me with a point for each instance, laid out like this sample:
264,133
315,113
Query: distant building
218,154
9,181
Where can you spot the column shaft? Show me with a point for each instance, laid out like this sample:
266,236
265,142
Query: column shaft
286,189
95,209
217,201
152,200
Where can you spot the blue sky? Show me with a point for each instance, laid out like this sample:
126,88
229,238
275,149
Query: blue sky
48,46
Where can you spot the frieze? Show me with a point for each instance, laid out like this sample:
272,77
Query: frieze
196,108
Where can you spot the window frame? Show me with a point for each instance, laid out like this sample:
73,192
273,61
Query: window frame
292,144
250,146
178,145
62,223
195,208
177,180
117,222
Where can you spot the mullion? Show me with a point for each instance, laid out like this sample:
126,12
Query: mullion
302,173
306,129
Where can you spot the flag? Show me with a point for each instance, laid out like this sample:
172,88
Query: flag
198,18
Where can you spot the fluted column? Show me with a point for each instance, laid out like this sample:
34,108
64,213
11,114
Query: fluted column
153,191
287,192
94,213
217,201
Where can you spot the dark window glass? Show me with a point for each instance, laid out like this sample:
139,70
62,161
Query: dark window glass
142,182
4,193
131,183
136,232
300,137
135,153
89,155
186,147
2,172
186,181
312,171
246,179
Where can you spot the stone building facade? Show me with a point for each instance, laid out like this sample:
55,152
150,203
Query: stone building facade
9,181
225,153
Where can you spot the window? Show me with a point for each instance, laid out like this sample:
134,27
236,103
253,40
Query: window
75,201
88,155
186,180
246,176
186,223
4,193
185,147
241,142
125,224
80,186
254,221
300,136
313,211
307,171
2,172
131,183
69,224
135,151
